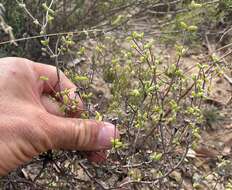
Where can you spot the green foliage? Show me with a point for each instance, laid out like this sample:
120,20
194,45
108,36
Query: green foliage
116,143
156,156
15,18
43,78
155,102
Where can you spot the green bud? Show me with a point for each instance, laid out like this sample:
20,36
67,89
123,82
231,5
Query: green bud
194,5
65,99
98,116
183,25
156,156
116,143
135,93
45,42
81,51
49,10
137,36
36,22
192,28
79,78
149,44
50,18
43,78
118,20
22,5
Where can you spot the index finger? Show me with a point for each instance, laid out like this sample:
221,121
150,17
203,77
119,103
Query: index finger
54,83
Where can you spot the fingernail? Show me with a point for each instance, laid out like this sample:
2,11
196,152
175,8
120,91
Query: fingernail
106,134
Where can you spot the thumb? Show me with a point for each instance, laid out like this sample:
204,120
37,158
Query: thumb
80,134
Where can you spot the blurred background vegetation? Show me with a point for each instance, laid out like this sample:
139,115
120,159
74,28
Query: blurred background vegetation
164,17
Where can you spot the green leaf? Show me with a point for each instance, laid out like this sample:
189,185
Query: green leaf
183,25
36,22
156,156
116,143
98,116
149,44
44,78
194,5
137,36
45,42
65,99
79,78
49,10
22,5
135,93
118,20
192,28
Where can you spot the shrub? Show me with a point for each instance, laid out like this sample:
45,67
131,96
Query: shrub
157,105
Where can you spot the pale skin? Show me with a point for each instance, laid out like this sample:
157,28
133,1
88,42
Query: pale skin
31,123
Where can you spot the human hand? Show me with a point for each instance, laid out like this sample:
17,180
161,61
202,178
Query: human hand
30,123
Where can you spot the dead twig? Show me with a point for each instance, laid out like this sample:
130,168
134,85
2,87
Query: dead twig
227,78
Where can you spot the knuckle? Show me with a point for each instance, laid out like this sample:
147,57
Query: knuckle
44,130
79,133
83,135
